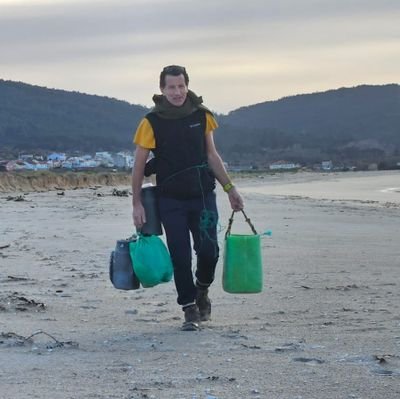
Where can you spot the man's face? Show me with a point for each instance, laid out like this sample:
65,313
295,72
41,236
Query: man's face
175,89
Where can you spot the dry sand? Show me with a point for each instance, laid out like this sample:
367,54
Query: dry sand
327,324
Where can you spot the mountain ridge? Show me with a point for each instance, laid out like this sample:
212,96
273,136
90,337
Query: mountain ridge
349,123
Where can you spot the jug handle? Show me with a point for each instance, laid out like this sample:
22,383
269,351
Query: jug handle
228,230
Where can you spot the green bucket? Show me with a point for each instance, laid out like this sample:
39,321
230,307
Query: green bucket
242,270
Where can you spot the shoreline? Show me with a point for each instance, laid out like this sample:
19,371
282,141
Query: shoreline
42,181
366,188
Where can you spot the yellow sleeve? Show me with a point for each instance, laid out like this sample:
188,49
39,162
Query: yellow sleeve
211,123
144,135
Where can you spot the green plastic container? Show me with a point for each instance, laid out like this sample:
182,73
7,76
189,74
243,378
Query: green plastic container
242,272
242,269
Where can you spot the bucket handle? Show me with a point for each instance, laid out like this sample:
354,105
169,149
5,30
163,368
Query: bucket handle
228,230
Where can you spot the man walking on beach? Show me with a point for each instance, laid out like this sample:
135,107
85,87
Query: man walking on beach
179,132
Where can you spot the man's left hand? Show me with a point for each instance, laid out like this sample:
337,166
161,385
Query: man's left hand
235,199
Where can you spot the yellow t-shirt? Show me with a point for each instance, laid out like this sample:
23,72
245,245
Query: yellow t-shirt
144,136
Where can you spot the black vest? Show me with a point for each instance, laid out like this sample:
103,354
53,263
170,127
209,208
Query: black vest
181,166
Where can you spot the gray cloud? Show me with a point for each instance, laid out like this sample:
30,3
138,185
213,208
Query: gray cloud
81,30
64,21
221,40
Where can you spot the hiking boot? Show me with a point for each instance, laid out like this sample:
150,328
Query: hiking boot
204,304
192,318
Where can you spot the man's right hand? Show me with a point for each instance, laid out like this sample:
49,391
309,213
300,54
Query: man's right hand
139,215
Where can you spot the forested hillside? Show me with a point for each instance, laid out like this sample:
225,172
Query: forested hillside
360,123
36,118
348,125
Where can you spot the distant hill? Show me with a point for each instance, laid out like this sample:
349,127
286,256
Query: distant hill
36,118
347,125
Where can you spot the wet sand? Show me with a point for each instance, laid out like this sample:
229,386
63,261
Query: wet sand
327,324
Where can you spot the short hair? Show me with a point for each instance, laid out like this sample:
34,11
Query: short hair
174,70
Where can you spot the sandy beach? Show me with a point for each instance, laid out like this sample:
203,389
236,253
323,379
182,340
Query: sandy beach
327,324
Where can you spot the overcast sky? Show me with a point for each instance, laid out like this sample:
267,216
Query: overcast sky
236,52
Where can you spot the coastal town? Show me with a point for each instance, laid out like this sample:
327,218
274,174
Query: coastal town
120,160
59,160
124,160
